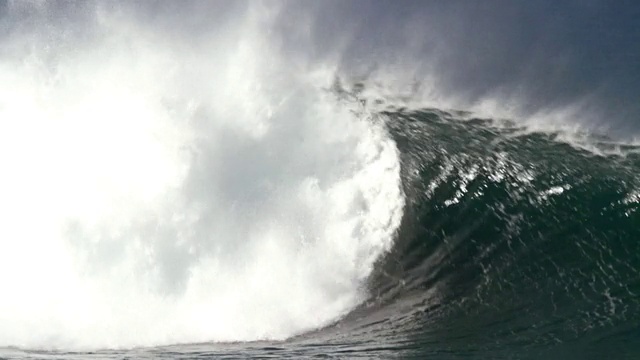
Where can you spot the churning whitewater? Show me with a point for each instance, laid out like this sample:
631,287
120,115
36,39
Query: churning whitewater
159,195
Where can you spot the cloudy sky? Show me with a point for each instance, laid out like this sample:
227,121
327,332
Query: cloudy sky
545,53
551,53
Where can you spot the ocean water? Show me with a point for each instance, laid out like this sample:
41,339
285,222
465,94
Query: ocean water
182,189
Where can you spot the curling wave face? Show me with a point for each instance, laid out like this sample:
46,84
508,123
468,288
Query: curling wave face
514,244
153,194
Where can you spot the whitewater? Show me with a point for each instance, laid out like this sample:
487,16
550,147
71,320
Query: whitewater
154,194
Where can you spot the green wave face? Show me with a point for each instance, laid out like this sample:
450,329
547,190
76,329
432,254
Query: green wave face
514,243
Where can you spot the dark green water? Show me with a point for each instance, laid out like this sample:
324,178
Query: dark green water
514,245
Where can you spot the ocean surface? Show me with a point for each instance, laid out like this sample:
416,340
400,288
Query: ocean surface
177,189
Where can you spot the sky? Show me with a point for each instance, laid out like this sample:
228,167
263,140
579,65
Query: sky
541,54
547,53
